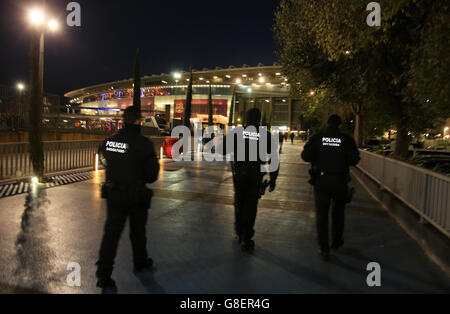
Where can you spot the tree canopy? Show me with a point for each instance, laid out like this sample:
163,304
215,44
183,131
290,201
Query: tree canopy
395,74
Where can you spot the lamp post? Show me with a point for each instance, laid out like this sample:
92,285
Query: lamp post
39,24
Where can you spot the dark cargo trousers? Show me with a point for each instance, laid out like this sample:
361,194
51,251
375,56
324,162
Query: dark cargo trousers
324,198
245,208
119,208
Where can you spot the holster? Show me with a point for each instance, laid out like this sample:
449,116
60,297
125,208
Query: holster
136,192
105,188
349,195
313,176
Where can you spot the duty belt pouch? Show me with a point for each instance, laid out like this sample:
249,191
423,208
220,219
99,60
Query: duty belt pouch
349,195
105,188
144,196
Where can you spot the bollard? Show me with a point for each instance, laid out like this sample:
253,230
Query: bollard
95,166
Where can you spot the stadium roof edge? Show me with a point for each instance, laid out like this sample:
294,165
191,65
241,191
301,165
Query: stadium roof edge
93,89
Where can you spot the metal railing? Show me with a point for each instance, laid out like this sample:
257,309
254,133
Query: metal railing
425,191
15,159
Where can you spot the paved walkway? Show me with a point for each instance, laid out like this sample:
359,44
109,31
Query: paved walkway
190,232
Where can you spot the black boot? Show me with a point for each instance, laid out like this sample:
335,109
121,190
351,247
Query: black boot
144,267
324,254
247,245
337,244
106,283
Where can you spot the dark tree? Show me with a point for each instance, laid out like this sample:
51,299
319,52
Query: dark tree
232,106
137,82
210,107
188,108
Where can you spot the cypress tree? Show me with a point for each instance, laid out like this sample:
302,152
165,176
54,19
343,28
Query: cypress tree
232,106
188,106
264,119
137,82
210,107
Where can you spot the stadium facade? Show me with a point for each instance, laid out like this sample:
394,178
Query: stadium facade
164,95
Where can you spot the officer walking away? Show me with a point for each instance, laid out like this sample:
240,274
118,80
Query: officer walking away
331,153
248,182
130,162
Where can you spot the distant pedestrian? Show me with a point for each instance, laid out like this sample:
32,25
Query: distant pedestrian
281,140
292,137
331,153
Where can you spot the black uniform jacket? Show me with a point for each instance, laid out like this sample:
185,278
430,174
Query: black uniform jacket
248,169
331,152
129,158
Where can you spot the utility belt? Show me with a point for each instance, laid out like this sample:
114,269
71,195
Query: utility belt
136,191
317,174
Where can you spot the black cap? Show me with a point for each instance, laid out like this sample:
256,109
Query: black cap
253,117
131,115
334,120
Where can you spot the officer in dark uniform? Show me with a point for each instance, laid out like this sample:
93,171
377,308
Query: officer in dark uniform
331,153
248,181
130,162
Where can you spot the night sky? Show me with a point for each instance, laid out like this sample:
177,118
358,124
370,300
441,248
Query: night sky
171,35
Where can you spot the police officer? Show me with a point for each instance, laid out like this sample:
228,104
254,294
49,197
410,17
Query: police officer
247,179
331,153
130,162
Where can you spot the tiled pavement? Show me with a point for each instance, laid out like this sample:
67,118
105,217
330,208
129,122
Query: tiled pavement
190,232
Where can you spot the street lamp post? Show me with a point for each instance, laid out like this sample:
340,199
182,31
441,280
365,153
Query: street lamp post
39,23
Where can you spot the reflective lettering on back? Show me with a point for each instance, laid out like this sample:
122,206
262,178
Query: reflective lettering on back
331,141
116,147
251,135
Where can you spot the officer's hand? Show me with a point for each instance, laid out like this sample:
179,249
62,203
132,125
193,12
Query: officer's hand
272,186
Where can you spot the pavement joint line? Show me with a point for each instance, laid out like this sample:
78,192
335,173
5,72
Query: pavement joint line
177,167
263,203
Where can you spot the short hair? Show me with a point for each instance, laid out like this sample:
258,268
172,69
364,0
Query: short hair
131,115
253,117
334,120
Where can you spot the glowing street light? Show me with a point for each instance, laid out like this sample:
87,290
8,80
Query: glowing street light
36,17
20,86
53,25
177,75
